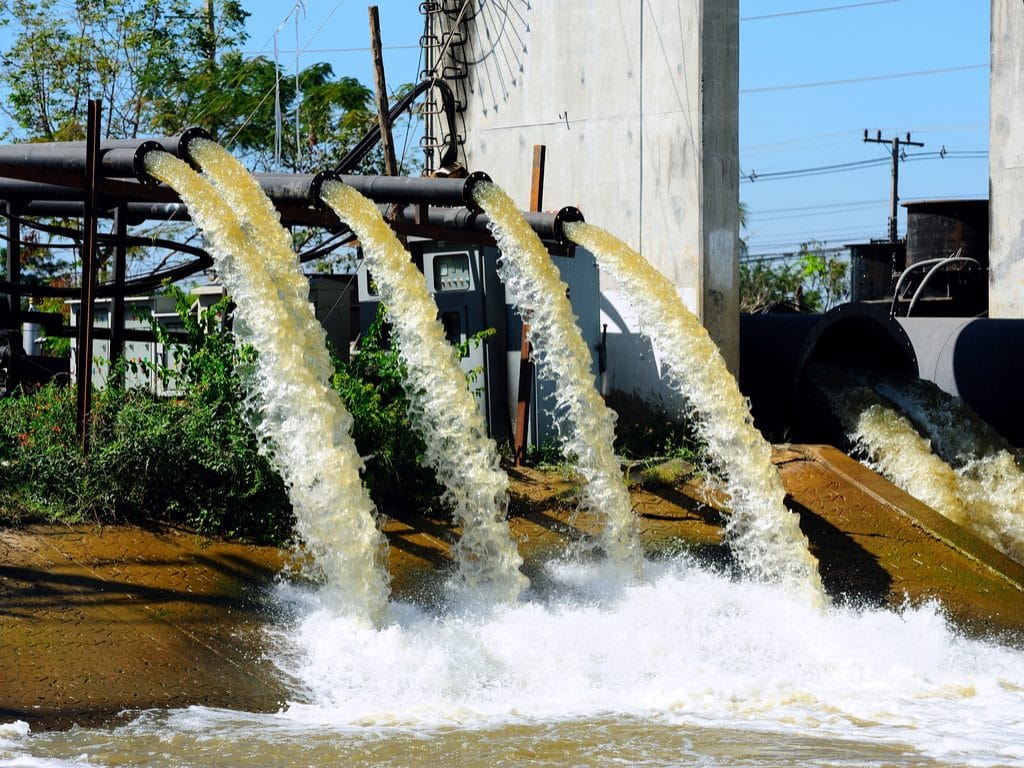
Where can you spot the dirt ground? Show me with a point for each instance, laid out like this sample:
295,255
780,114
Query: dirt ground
99,622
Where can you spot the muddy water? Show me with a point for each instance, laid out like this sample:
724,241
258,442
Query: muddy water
684,667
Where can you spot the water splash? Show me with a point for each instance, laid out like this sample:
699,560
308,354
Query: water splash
893,448
960,467
445,412
304,421
765,536
586,425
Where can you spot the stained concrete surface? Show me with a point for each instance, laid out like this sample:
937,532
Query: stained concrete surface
98,622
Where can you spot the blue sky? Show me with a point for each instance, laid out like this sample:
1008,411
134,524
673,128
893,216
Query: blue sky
813,75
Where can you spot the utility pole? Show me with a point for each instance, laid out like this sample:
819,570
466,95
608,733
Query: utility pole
894,200
380,85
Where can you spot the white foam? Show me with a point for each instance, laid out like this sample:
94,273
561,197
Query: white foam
684,646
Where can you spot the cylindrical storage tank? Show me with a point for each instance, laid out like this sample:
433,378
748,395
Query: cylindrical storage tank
874,268
939,228
777,351
981,361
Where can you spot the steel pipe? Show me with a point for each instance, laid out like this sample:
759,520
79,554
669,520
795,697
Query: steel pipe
549,227
64,162
979,360
777,351
404,190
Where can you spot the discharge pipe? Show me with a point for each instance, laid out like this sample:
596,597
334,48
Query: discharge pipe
980,360
549,227
64,163
777,352
401,190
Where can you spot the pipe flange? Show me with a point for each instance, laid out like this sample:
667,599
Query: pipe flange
316,186
185,138
468,199
139,161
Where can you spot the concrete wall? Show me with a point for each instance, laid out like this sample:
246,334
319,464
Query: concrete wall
636,101
1006,161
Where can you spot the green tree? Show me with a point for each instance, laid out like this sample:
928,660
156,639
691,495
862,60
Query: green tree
160,66
127,52
163,65
812,280
825,277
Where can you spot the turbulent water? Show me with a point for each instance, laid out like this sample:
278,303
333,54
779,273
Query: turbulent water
586,425
443,409
301,417
763,533
934,447
683,666
262,225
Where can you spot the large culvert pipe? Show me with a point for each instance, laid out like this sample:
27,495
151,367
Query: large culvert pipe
980,360
778,350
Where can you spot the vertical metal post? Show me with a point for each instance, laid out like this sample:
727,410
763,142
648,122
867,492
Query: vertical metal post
86,310
380,85
117,303
14,272
525,363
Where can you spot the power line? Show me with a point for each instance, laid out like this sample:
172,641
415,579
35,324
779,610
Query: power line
865,79
823,206
815,171
757,218
823,9
856,165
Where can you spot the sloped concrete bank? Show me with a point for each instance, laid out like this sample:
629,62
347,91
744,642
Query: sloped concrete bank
99,622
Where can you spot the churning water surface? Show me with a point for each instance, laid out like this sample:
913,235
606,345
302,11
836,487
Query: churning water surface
684,667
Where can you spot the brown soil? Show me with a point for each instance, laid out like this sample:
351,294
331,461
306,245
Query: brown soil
98,622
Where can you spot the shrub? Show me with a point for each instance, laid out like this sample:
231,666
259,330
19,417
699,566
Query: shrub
371,387
192,460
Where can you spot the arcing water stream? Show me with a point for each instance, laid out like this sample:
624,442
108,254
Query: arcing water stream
764,534
679,666
586,424
453,429
962,469
441,406
261,222
300,415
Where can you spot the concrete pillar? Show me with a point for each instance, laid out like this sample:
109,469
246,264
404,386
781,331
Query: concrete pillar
637,103
1006,161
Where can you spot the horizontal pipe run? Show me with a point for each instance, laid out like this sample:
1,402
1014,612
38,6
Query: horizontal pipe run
405,190
549,227
778,351
979,360
64,163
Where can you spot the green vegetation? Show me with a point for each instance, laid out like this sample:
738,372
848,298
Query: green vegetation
194,459
371,386
190,460
811,281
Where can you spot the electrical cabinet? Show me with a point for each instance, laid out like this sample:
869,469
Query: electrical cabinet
470,298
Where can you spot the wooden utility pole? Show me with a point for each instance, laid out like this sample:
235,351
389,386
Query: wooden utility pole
894,195
380,85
